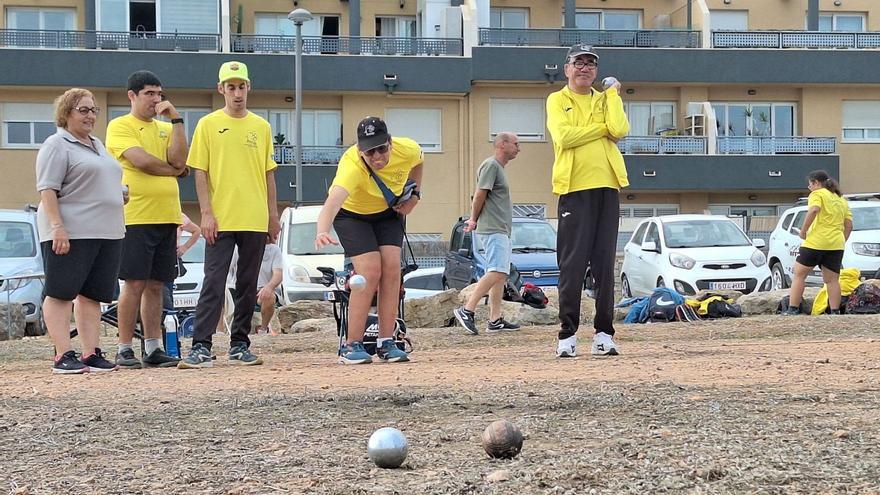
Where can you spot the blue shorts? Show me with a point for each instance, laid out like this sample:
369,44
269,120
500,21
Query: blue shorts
497,248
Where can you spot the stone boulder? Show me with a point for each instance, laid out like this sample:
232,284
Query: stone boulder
433,311
12,322
766,303
314,325
302,310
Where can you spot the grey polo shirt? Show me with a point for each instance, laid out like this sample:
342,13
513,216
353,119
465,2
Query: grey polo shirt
89,186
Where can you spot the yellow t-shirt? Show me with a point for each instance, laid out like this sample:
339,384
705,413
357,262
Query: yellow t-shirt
364,196
826,231
236,153
153,199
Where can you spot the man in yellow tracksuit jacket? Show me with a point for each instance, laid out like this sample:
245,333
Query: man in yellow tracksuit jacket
588,172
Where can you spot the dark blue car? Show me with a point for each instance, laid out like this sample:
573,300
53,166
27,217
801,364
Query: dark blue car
534,254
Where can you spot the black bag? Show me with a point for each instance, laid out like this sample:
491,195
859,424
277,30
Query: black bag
783,306
723,309
371,333
534,296
513,286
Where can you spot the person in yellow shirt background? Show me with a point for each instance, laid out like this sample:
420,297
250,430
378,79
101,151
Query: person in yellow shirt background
588,172
826,228
232,159
153,155
370,229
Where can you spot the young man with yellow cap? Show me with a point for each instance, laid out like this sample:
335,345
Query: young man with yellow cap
231,155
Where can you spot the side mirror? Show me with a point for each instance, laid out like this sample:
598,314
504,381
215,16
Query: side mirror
464,252
650,246
758,243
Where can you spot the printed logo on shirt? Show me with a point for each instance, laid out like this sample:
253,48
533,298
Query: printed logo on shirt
568,109
163,135
251,139
221,131
565,214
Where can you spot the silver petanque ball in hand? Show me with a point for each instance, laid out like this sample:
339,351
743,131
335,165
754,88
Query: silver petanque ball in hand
357,283
609,81
387,448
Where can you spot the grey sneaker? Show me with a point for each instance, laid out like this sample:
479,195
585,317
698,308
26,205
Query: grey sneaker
242,356
199,357
125,359
158,359
501,325
466,318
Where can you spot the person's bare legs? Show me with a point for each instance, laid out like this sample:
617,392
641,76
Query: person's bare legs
495,296
87,314
151,309
389,290
369,266
56,313
798,281
832,282
127,309
267,310
487,285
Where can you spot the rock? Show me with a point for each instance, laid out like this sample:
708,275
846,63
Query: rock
301,310
433,311
314,325
765,303
499,475
620,313
12,322
841,434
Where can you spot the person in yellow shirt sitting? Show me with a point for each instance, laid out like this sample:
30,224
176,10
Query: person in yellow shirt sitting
369,223
825,231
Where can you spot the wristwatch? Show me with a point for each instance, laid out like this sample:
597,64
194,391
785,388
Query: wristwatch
177,121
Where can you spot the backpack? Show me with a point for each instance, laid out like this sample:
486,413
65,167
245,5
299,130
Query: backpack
662,305
720,308
513,286
864,300
371,333
534,296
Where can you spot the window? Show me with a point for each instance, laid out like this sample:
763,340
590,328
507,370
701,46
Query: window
27,125
755,119
320,127
112,15
848,22
41,19
421,124
639,234
523,116
753,211
17,240
798,222
509,18
732,20
646,211
649,118
612,20
861,121
653,235
272,24
396,27
188,16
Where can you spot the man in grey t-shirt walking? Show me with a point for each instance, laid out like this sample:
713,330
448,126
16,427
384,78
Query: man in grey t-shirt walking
492,219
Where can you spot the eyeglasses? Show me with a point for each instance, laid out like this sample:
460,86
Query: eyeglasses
86,110
382,149
580,64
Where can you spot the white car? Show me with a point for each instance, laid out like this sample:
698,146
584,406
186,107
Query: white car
862,249
188,287
690,253
301,278
423,282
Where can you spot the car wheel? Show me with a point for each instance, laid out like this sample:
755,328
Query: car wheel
660,282
778,277
624,287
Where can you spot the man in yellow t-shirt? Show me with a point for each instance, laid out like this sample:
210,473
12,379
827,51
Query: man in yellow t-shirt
231,156
368,218
153,155
588,172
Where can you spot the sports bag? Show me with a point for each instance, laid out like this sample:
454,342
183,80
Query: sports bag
534,296
371,333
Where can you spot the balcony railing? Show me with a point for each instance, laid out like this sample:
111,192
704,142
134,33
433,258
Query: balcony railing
642,38
259,43
322,155
766,145
109,40
794,39
689,145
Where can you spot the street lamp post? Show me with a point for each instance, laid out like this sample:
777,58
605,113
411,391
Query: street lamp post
298,16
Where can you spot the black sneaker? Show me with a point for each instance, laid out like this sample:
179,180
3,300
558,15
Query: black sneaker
243,356
791,311
466,318
834,312
69,365
158,359
97,363
199,357
501,325
125,359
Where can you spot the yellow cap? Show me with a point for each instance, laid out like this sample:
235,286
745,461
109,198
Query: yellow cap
233,70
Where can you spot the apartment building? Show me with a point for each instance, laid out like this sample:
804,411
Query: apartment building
731,102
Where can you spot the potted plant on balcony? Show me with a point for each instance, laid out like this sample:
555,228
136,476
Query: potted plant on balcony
762,128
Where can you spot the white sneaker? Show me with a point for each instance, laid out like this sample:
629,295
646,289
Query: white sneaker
567,348
603,345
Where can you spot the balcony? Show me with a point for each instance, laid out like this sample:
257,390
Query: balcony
312,155
109,40
342,45
566,37
766,145
688,145
794,39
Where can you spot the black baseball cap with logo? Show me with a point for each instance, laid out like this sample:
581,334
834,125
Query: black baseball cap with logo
580,49
372,132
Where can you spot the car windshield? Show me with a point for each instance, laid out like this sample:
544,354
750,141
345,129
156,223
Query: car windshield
533,236
431,281
703,233
196,254
866,218
17,240
301,240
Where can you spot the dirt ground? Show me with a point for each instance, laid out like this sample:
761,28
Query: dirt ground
756,405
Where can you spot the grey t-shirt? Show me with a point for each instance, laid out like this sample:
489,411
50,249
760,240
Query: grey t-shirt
89,185
272,259
497,214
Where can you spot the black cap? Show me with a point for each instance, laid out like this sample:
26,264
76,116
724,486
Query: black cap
578,50
372,132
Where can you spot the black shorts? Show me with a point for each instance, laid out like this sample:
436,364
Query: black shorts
361,234
90,268
832,260
150,253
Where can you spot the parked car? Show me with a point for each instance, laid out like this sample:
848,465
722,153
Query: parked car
302,280
862,249
423,282
188,287
534,254
690,253
20,256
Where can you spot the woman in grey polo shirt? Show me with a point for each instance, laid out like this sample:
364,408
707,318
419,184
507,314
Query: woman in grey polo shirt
81,226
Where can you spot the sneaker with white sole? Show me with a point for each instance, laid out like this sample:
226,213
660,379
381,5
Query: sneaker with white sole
567,348
466,318
501,325
199,357
603,345
354,353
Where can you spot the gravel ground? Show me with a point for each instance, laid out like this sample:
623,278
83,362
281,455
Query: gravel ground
756,405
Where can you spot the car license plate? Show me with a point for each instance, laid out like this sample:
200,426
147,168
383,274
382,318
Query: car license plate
185,301
740,285
329,296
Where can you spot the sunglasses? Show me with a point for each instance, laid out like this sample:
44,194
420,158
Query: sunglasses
382,149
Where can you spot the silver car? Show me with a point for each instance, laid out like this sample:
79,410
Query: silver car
19,259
